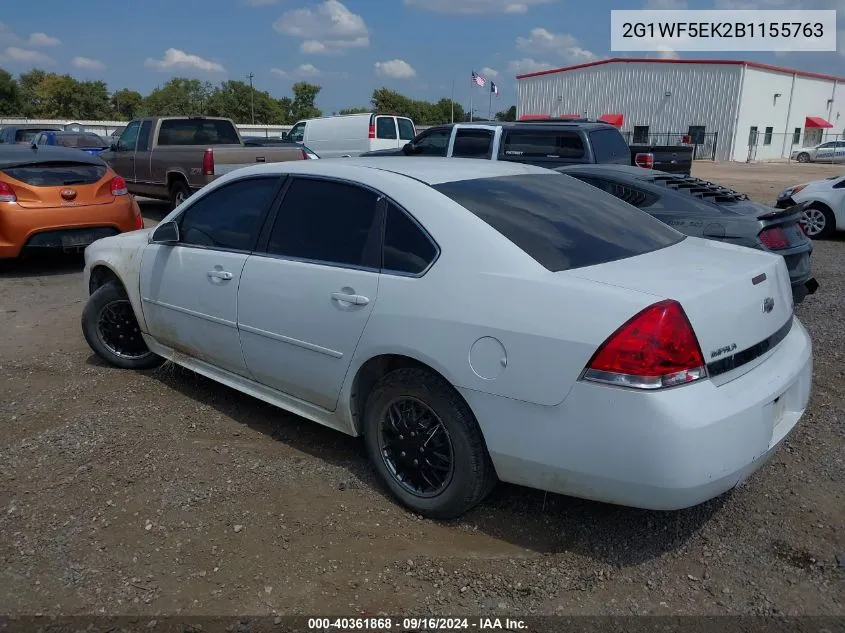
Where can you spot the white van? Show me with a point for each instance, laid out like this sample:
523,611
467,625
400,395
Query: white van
353,134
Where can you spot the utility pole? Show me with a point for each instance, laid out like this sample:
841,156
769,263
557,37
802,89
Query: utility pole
251,98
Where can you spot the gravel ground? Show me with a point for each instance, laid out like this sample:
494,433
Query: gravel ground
163,492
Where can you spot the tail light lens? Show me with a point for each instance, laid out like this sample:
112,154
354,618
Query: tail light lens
7,194
118,186
645,160
774,238
372,133
208,162
656,348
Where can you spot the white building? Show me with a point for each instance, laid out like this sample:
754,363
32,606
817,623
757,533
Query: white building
735,110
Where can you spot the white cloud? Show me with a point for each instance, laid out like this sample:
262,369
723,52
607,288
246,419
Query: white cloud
175,59
666,5
527,65
667,53
395,69
280,73
489,72
87,62
563,45
303,70
329,28
42,39
22,55
476,7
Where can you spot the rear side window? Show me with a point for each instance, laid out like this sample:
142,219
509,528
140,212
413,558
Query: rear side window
229,217
406,129
542,144
609,146
385,127
473,144
79,140
57,174
560,222
407,249
197,132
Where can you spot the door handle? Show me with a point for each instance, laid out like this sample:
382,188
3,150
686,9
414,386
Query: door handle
358,300
220,274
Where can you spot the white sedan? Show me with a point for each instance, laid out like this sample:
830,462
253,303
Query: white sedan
475,321
824,213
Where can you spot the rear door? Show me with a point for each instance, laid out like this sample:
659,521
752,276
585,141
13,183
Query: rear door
386,133
473,142
189,291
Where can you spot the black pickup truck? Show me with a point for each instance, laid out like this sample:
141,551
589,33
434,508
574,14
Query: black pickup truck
544,143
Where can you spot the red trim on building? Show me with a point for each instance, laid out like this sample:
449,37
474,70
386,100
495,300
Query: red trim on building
613,119
717,62
817,122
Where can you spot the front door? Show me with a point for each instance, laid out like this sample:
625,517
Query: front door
189,291
304,303
122,160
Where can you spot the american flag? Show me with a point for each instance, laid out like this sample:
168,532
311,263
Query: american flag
478,80
494,88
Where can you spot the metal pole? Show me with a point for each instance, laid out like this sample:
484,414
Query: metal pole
490,104
251,98
452,100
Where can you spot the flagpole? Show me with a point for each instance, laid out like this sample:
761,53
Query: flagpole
490,104
452,100
471,85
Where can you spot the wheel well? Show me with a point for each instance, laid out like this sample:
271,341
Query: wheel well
819,205
100,276
374,370
173,176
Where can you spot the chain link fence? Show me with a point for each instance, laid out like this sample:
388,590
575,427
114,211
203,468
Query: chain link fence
804,145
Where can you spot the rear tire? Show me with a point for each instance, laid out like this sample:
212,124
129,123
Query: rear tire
111,330
818,222
179,192
803,157
409,404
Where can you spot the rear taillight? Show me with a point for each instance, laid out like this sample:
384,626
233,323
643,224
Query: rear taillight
644,160
372,133
654,349
774,238
118,186
208,162
7,194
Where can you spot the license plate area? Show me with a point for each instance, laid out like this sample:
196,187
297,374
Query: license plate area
78,240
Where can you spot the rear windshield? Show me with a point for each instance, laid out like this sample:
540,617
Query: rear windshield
197,132
79,140
57,174
560,222
406,129
609,146
26,135
542,144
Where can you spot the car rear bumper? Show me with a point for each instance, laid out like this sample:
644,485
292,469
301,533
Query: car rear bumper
661,450
29,229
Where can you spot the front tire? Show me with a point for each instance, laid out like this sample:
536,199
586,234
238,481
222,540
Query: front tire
818,222
426,445
803,157
111,330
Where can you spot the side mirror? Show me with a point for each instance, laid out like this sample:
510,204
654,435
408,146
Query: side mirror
408,149
166,233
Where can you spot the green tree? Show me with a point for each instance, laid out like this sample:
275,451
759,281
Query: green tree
385,100
28,89
178,97
10,102
507,115
302,105
235,100
126,104
355,111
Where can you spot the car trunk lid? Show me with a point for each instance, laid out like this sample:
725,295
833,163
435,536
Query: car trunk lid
58,184
736,299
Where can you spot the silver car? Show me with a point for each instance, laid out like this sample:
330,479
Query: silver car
829,152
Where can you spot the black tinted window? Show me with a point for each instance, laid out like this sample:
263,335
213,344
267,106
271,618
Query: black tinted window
472,143
406,128
144,136
129,137
385,127
328,222
542,144
197,132
560,222
435,143
407,249
77,140
609,146
230,216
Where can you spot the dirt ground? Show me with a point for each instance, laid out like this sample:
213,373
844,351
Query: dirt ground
162,492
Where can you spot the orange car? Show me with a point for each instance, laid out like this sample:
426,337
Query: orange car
61,199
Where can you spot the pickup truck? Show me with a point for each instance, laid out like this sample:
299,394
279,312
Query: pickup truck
169,158
546,144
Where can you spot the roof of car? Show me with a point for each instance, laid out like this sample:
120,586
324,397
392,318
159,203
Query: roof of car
429,170
16,155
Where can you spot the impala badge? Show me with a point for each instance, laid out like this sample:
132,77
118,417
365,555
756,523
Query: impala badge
768,304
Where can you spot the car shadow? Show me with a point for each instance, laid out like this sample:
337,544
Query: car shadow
42,265
541,522
154,210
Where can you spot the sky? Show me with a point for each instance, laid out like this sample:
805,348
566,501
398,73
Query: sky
418,47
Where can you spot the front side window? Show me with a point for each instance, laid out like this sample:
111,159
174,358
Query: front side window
407,249
385,127
297,133
229,217
433,143
472,143
129,137
562,223
329,222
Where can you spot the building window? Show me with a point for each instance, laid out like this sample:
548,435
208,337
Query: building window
752,137
696,134
796,136
641,134
767,137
